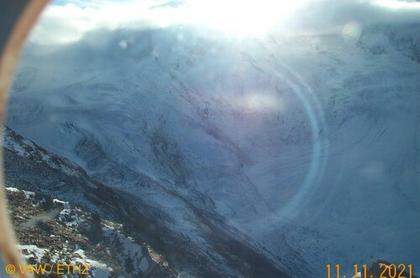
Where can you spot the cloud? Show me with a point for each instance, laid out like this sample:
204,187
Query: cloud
68,21
327,15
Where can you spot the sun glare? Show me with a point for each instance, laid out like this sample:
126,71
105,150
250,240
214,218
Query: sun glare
241,18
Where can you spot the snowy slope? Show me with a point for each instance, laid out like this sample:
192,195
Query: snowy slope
176,233
306,144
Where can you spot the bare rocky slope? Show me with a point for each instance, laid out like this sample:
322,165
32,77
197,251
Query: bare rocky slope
51,231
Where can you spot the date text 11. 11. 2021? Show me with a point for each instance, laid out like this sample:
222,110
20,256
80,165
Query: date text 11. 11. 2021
362,271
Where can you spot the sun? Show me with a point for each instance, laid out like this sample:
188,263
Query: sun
241,17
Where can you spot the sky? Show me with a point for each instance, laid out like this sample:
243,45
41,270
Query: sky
67,21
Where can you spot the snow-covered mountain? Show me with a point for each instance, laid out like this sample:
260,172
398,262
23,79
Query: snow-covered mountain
307,145
109,222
